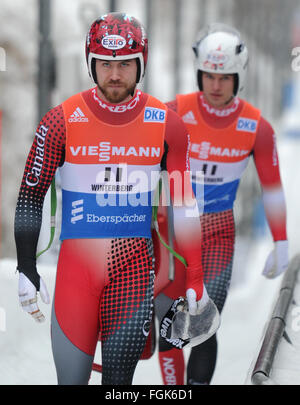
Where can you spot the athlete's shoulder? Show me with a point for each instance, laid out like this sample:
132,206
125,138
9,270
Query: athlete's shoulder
175,128
53,116
186,97
265,138
57,112
52,126
55,109
181,98
172,105
247,104
187,101
265,126
174,118
154,100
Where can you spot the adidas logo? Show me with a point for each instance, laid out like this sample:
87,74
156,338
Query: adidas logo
78,116
189,118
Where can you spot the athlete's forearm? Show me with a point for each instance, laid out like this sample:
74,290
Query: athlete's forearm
267,165
275,210
187,226
187,230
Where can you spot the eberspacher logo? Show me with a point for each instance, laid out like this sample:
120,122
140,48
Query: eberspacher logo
113,42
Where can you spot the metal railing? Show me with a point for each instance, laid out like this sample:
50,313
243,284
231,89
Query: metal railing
276,327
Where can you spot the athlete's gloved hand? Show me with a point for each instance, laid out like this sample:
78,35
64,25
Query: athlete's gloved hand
196,293
277,261
28,296
194,305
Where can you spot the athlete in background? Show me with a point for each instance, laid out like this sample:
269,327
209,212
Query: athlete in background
110,143
225,132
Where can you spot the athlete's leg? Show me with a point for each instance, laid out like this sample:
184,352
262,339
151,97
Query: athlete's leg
217,256
126,308
171,359
202,362
75,315
73,366
124,282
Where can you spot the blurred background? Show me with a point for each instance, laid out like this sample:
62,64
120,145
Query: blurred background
45,63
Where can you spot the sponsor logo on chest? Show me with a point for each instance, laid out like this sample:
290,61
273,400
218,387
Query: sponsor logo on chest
152,114
78,116
105,150
246,124
205,149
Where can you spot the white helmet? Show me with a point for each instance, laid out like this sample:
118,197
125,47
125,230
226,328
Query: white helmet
219,49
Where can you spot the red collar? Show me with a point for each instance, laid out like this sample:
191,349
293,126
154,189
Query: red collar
115,114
